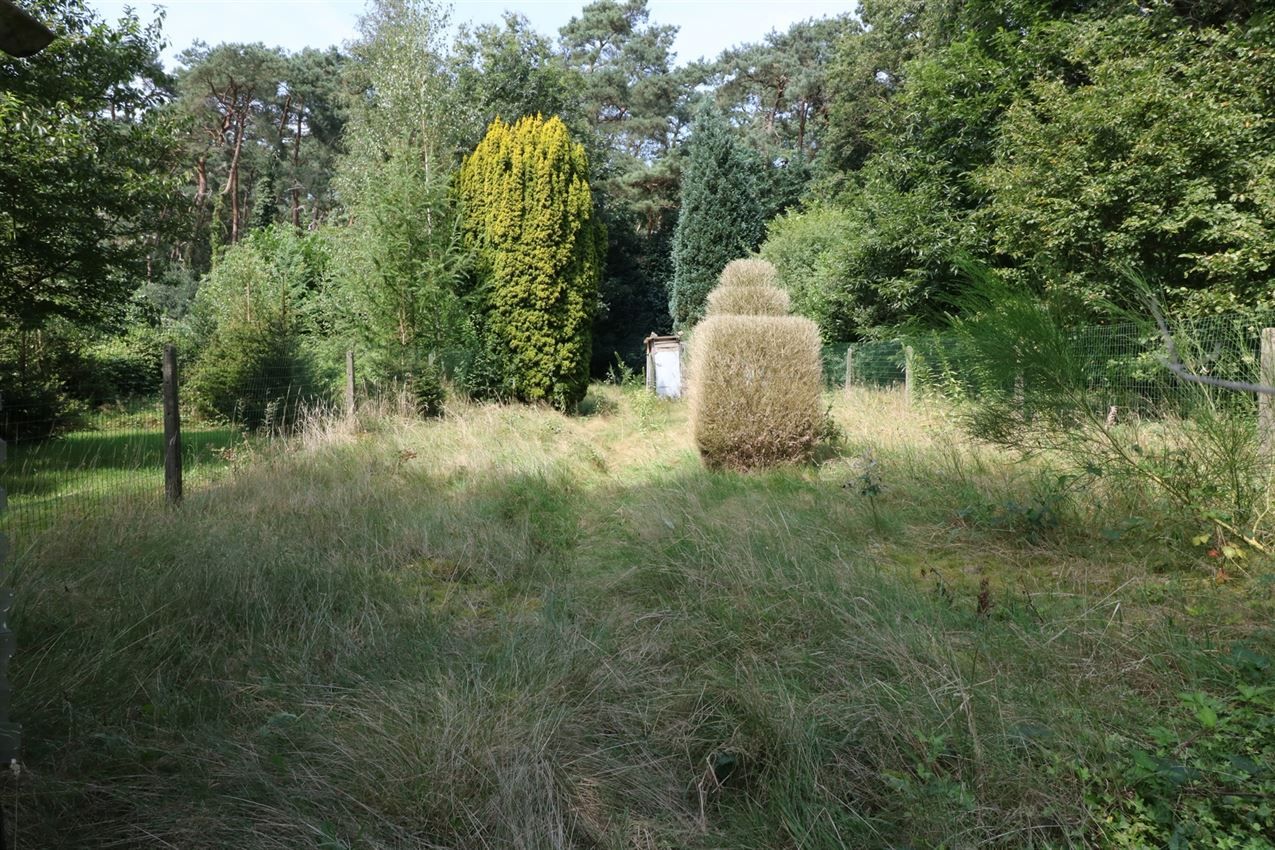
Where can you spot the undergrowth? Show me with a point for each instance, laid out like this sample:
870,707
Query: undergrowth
514,628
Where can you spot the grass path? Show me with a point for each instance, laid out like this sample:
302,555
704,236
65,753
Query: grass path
517,629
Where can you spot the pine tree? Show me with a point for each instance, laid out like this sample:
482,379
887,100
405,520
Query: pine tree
720,218
529,218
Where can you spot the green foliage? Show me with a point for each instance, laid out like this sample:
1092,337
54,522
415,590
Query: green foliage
720,217
394,286
254,375
1059,143
1025,378
1203,777
272,274
538,262
426,386
635,105
807,248
509,70
85,170
1161,160
246,329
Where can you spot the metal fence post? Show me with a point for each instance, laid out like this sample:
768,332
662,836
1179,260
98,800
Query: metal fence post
172,429
909,378
1265,403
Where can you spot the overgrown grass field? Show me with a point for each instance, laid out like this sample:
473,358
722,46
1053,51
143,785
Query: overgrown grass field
513,628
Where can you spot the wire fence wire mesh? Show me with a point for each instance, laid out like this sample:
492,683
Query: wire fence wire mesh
1122,366
67,463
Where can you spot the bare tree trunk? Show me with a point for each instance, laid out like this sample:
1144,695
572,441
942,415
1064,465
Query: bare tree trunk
296,164
801,132
232,179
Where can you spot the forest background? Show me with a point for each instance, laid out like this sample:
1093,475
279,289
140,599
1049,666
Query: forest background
267,211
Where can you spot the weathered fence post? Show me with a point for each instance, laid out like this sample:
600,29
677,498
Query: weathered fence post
1265,403
349,383
172,429
909,376
10,733
849,366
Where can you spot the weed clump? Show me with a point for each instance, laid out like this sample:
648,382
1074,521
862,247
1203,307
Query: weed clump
755,375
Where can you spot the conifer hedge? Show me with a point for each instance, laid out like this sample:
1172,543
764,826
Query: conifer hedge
528,217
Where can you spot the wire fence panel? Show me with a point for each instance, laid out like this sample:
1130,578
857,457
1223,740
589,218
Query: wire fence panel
1123,365
66,463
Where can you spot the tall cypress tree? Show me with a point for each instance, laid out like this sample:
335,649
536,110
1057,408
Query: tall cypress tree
528,216
720,219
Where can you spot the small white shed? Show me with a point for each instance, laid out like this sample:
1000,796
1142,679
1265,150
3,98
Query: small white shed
664,356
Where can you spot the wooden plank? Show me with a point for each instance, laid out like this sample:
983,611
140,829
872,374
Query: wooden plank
172,429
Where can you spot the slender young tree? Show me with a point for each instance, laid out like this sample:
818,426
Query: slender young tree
528,216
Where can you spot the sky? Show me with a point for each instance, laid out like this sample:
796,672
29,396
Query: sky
707,27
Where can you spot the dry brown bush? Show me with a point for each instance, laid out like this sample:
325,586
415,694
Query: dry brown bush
748,301
750,271
754,390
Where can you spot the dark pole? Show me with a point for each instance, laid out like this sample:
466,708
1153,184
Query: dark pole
172,429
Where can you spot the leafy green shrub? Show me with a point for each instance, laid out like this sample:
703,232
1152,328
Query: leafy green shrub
118,369
34,406
754,390
426,387
748,301
480,375
1205,778
254,375
807,249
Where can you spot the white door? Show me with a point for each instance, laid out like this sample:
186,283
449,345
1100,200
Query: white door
668,373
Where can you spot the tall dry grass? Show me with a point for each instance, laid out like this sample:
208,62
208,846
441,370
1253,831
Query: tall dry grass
748,301
514,628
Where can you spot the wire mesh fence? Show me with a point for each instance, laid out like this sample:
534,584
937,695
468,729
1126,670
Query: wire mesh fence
1122,366
64,461
67,461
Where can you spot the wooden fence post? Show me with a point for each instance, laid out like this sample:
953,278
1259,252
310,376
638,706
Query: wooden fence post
1265,403
909,379
10,733
349,383
172,429
849,366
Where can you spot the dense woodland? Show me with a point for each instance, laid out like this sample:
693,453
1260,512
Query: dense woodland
268,210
